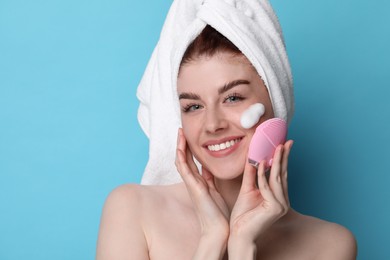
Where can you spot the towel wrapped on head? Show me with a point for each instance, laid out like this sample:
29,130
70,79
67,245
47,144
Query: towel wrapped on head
251,25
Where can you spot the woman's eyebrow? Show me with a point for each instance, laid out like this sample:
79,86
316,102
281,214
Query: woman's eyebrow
221,90
232,84
189,96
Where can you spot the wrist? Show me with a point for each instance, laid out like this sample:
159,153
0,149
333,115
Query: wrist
242,235
216,232
241,248
211,246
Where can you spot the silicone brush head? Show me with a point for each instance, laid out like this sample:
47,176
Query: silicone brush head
267,137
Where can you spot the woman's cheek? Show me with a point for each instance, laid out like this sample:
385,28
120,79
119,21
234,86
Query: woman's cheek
190,128
234,116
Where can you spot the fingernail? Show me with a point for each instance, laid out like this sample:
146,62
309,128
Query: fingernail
262,165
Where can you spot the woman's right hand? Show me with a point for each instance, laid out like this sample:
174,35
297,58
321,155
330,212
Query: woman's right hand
211,209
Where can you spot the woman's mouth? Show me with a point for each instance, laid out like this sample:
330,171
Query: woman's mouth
224,145
223,148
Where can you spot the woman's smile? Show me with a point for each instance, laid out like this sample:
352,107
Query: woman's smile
223,147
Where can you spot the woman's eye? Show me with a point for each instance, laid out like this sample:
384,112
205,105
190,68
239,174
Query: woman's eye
191,107
234,98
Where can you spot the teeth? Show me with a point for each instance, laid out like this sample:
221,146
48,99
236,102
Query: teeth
223,146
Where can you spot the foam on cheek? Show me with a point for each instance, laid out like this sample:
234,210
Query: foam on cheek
252,115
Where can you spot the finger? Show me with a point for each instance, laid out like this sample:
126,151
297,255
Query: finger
264,188
249,178
196,185
181,143
180,155
208,177
284,173
182,167
180,146
181,161
275,181
287,149
190,161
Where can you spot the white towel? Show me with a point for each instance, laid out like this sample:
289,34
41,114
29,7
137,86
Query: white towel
251,25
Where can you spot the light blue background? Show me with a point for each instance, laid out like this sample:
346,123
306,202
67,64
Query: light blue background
69,134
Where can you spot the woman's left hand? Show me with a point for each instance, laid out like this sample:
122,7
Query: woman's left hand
259,206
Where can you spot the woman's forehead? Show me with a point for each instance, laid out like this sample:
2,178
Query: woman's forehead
215,70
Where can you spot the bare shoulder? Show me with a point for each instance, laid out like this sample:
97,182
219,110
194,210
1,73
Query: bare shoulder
135,202
128,196
129,214
120,226
341,243
331,240
122,233
125,201
135,198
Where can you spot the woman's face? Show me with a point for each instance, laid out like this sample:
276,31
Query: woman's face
214,92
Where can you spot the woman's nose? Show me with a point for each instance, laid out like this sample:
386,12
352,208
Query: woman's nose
215,121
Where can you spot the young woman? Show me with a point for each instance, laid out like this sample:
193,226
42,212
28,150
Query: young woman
225,208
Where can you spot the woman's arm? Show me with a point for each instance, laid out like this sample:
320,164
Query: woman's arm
121,235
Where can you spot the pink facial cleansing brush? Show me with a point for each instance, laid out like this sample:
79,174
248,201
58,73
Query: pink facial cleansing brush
267,137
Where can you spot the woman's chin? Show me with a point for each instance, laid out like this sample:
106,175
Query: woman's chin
226,173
